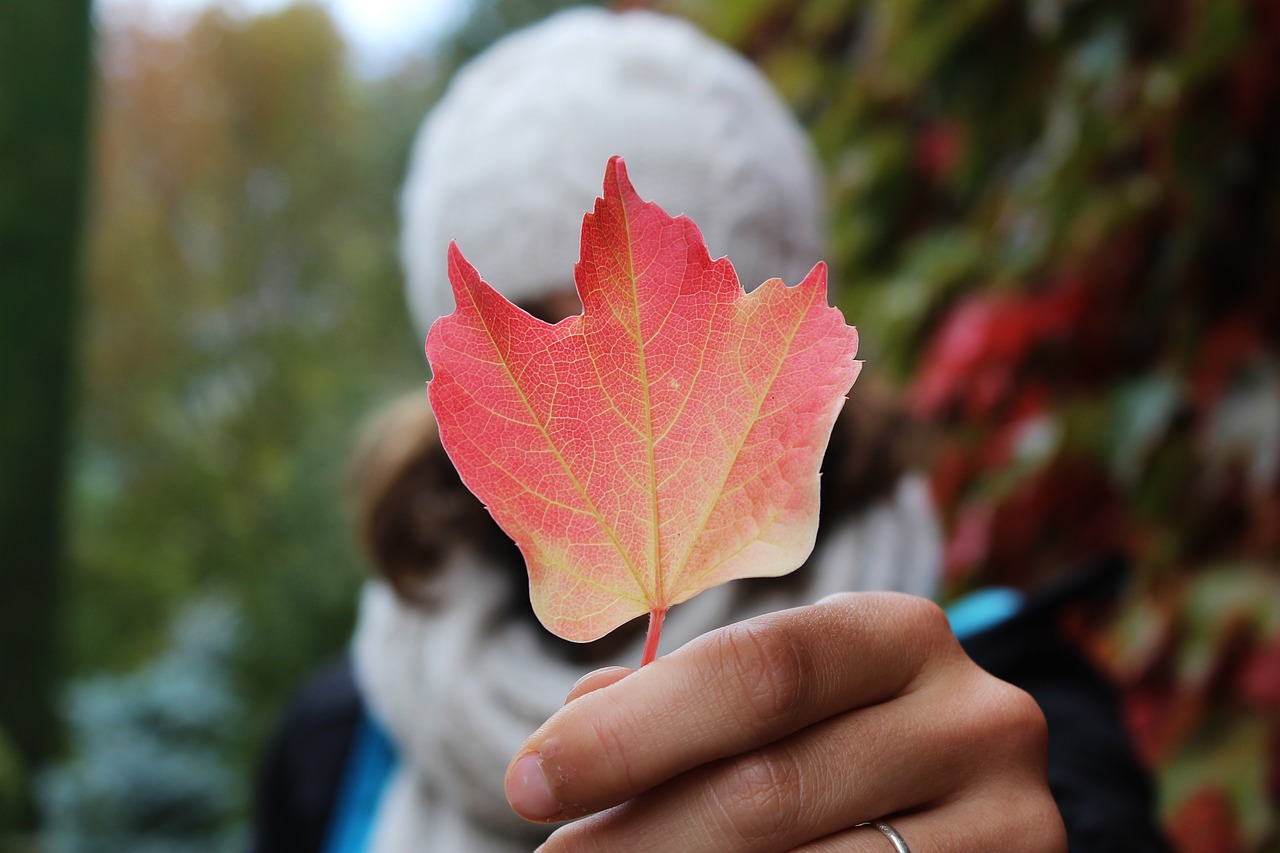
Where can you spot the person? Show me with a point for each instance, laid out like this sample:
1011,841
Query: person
832,709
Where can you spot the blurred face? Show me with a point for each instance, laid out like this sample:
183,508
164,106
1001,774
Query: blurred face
554,306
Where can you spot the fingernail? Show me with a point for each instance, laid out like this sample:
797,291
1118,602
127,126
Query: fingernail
596,679
589,676
528,791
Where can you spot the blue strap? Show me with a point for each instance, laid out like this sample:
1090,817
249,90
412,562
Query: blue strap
983,609
369,767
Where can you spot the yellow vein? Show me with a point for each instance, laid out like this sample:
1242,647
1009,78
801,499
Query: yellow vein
744,546
733,460
520,484
599,517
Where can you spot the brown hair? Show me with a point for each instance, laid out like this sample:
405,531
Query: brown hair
412,510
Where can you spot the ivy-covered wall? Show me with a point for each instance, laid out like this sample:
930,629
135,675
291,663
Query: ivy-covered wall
1057,223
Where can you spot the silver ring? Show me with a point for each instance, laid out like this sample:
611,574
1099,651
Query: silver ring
890,833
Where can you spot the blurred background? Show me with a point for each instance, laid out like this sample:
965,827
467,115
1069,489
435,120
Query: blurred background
1055,222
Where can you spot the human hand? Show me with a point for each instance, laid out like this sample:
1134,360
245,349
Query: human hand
783,732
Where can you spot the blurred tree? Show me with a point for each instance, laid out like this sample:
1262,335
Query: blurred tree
244,313
151,767
44,52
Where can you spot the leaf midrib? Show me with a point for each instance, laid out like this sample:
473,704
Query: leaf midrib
655,546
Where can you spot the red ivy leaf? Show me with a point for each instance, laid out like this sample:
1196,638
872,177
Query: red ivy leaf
664,441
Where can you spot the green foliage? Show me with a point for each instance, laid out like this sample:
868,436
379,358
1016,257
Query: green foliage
244,313
152,767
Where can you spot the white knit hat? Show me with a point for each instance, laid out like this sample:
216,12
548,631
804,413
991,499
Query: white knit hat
514,154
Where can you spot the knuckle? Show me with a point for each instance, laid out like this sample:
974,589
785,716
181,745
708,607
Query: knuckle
928,645
1023,720
1038,819
1026,815
758,799
767,666
1046,819
927,620
929,615
1011,720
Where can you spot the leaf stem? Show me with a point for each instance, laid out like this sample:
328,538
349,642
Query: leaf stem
656,617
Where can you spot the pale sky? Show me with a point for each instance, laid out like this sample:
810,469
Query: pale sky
380,32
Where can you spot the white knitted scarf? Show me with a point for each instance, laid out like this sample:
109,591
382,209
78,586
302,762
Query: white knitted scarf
461,686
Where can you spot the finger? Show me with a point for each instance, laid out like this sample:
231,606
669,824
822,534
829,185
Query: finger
804,787
597,679
879,760
1015,820
726,693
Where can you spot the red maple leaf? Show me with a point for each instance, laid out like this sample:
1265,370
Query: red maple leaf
662,442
